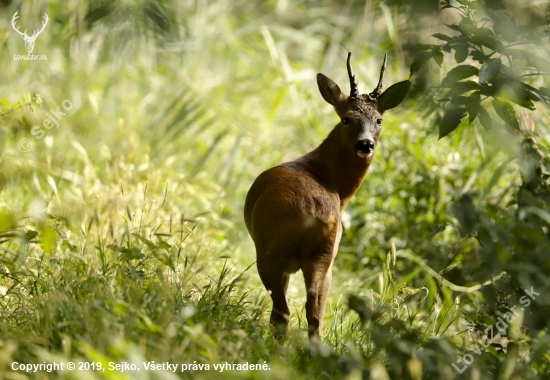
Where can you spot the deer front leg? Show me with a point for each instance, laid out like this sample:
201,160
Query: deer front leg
317,276
323,295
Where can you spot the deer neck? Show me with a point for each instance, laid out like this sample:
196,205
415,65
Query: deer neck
336,168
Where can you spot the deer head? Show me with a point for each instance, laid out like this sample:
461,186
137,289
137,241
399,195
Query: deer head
361,115
29,40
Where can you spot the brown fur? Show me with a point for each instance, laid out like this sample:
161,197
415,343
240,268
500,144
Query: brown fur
293,211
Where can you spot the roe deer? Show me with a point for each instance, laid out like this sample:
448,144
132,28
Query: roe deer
293,211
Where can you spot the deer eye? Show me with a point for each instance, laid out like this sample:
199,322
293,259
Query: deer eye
346,120
378,121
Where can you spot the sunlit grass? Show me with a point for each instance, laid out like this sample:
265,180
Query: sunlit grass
122,232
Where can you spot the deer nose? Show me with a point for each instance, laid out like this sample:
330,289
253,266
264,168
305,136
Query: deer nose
364,146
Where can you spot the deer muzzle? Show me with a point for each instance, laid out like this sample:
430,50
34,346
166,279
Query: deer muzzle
364,148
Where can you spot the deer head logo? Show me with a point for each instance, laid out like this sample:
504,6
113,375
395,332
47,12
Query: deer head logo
29,40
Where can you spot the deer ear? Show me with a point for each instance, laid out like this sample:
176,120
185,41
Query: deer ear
393,96
330,90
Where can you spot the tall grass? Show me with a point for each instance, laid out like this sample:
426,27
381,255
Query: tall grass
121,231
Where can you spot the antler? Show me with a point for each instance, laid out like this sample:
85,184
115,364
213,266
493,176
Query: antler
44,23
378,90
16,28
354,92
24,34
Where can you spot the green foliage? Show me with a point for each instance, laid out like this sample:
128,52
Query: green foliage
496,34
6,107
513,237
121,232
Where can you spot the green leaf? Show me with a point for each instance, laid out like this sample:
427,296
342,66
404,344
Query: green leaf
472,112
438,58
524,103
146,324
494,179
131,253
462,100
533,60
442,37
29,235
478,56
450,121
506,112
459,73
496,5
474,107
466,213
423,47
486,37
48,239
467,24
459,88
419,61
360,307
508,28
461,53
489,70
454,27
148,242
484,118
437,229
7,221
